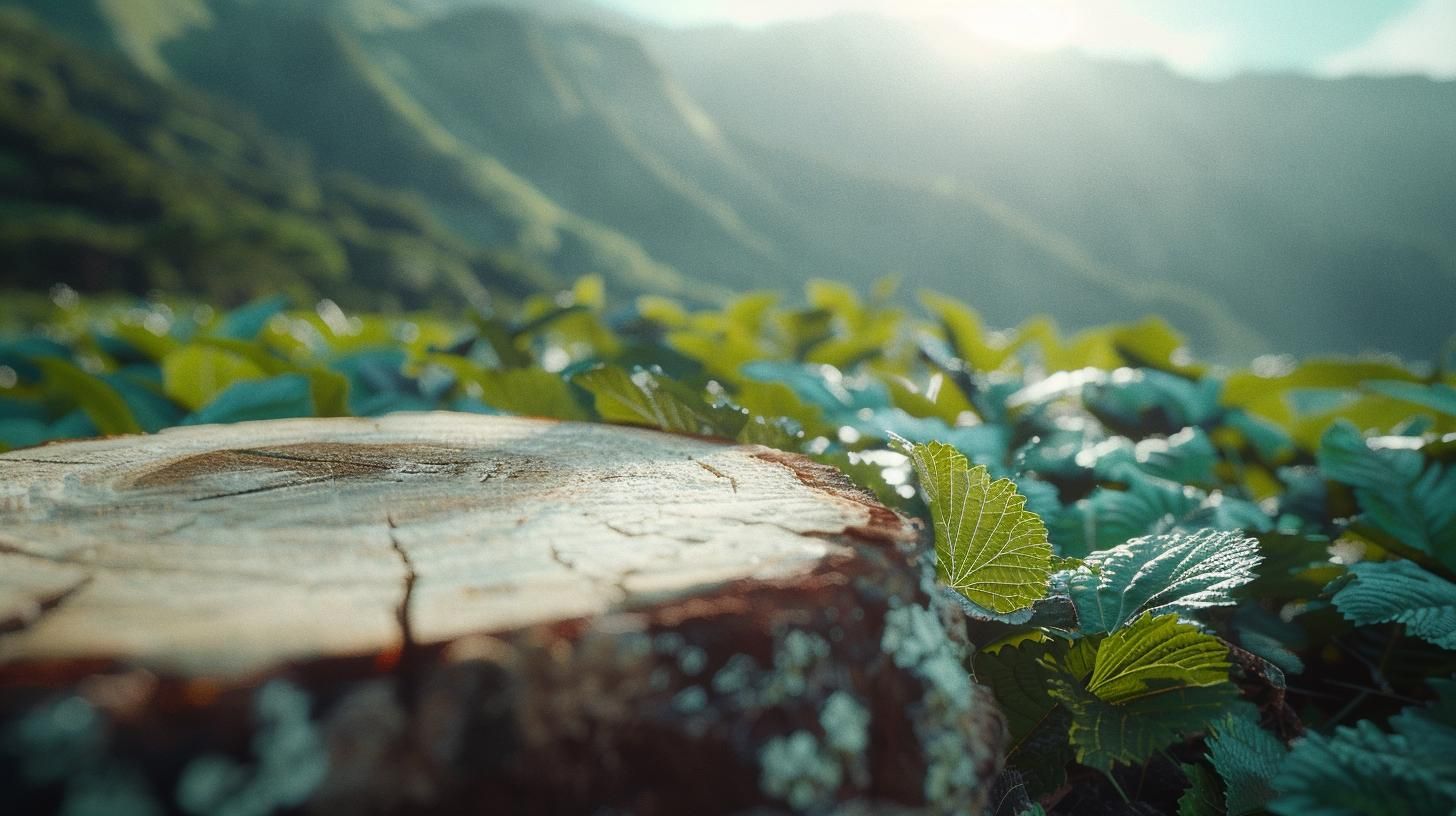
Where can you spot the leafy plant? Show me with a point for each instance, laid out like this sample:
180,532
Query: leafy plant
1200,590
988,546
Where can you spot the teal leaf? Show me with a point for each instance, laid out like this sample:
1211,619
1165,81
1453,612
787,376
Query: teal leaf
1436,396
1247,758
1399,494
1361,769
1171,573
1400,591
287,395
245,322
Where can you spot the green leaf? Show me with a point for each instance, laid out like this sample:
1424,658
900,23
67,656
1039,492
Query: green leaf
106,408
245,322
988,546
1154,655
529,392
1247,759
772,399
195,374
774,433
287,395
1381,592
1152,683
643,398
1360,770
1037,722
1414,504
1171,573
1203,797
1437,396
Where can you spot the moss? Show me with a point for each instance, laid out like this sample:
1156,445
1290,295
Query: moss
798,770
912,634
691,660
846,723
291,761
691,700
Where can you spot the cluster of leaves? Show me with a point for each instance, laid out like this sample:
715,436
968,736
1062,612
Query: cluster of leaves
1206,590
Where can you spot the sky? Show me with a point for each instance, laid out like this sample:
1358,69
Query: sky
1207,38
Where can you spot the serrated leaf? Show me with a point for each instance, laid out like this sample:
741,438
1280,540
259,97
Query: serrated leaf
1247,758
1154,655
988,546
1203,797
1177,573
1036,721
643,398
1411,502
1152,683
1361,769
1381,592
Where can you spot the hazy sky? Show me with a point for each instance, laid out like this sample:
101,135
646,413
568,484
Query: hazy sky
1201,37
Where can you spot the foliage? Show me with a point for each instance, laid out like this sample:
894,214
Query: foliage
1170,574
1161,574
1363,769
988,546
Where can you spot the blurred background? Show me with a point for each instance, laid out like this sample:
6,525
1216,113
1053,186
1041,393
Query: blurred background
1268,176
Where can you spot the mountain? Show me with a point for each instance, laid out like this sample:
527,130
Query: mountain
109,180
1273,213
1319,211
303,71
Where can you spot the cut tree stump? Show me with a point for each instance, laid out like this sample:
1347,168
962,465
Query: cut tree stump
456,613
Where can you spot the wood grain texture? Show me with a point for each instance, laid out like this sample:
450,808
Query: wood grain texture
478,612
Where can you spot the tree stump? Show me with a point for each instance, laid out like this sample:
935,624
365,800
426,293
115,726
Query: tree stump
456,613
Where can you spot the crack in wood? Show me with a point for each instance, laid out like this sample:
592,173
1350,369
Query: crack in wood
310,460
407,672
267,488
732,482
43,606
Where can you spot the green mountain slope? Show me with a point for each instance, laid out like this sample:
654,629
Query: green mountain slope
1317,210
303,70
111,181
1259,214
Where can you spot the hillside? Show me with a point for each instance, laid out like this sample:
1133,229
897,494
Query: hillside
1317,210
111,181
706,161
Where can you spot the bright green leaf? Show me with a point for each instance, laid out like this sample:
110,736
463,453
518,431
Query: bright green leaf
643,398
195,374
1153,683
988,546
106,408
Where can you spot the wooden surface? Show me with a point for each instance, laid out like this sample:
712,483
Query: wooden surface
599,616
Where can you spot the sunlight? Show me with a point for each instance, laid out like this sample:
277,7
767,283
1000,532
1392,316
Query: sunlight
1030,24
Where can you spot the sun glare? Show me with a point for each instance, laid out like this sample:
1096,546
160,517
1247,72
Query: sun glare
1026,24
